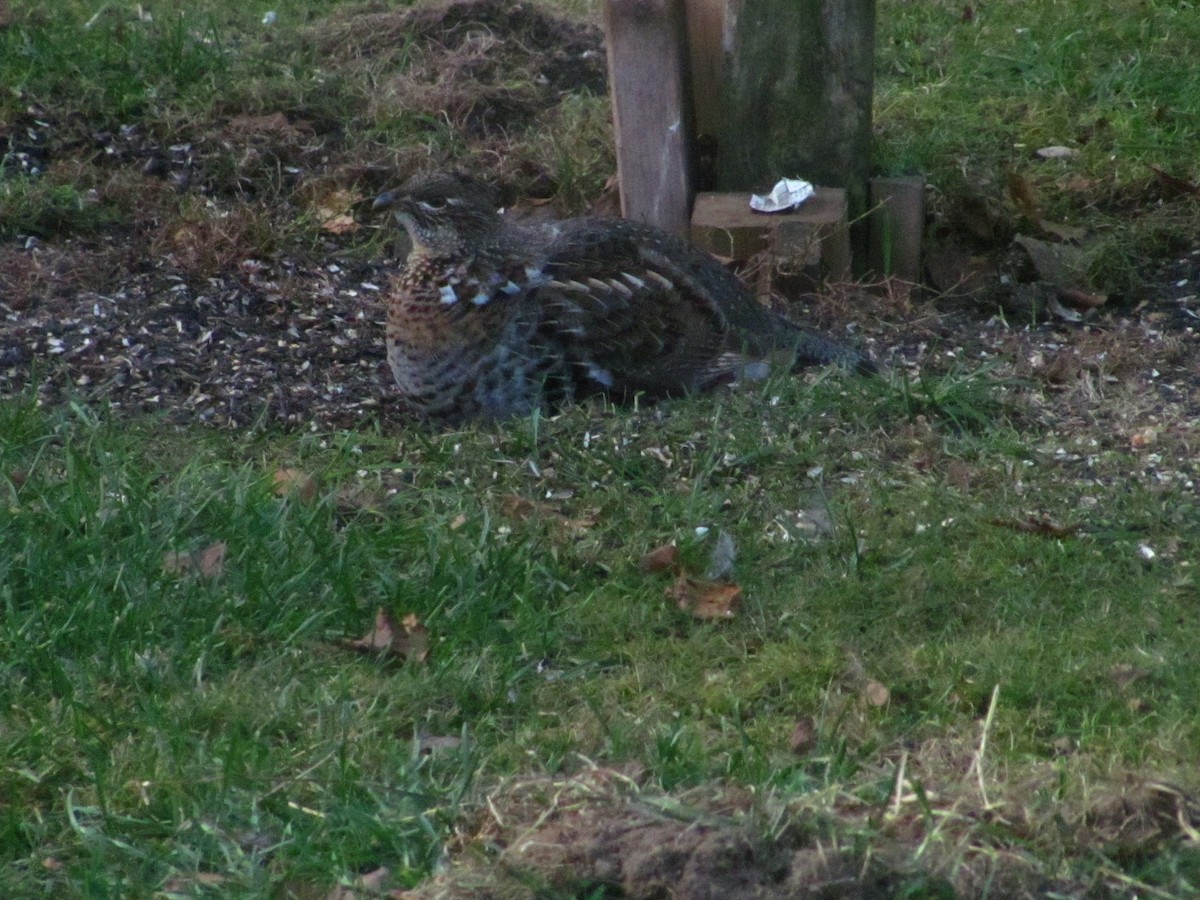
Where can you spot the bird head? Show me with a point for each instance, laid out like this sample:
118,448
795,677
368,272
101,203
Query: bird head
444,213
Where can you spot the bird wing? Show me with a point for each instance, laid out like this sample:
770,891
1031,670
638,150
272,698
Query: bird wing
642,310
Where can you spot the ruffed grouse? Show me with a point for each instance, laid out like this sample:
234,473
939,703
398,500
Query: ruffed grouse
490,319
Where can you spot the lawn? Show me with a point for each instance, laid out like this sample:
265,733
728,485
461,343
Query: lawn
925,634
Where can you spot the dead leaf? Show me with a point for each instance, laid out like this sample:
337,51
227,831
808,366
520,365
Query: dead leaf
1140,440
516,507
1044,526
1061,265
341,224
521,509
432,743
1080,299
705,599
353,498
458,522
295,482
876,693
370,885
1024,195
1125,674
185,884
334,211
1079,185
418,638
211,562
406,639
804,736
1173,186
956,271
1070,233
609,201
660,559
1063,312
207,563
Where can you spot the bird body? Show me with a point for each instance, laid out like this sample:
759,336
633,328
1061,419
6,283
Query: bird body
489,319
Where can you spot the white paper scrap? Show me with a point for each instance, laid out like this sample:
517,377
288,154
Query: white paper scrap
787,194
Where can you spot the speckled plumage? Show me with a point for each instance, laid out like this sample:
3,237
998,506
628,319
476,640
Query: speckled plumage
490,319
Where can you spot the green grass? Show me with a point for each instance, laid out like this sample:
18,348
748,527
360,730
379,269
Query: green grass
975,95
157,725
164,731
967,102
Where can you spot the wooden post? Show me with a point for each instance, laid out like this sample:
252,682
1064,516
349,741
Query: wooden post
797,99
648,80
706,35
897,223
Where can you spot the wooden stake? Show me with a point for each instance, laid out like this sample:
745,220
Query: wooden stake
648,79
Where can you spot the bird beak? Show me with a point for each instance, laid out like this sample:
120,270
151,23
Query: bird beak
386,199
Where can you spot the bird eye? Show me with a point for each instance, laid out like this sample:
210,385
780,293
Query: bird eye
434,206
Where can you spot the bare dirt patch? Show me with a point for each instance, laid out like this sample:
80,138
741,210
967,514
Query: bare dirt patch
601,833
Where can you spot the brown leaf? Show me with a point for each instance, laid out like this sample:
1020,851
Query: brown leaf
208,563
804,736
954,270
418,638
876,693
406,639
1062,265
1125,674
1044,526
1081,299
211,561
705,599
1062,231
364,886
342,224
520,509
295,482
1147,437
660,559
516,507
1024,195
432,743
1173,186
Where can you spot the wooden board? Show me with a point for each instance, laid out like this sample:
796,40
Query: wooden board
897,223
647,71
708,43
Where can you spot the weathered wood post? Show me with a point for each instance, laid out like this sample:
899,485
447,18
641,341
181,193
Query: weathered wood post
796,98
648,80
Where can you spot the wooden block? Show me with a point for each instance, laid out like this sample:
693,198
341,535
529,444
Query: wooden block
821,239
803,246
647,75
726,226
897,224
